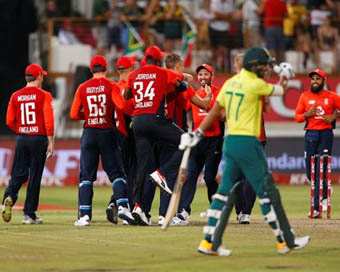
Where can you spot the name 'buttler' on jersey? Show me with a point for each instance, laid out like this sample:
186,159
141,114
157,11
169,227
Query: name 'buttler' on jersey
95,102
144,81
30,112
326,102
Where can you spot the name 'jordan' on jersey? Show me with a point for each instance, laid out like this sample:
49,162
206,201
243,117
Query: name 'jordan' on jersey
30,112
143,83
93,102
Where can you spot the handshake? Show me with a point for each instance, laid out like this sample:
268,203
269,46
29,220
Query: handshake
285,69
190,139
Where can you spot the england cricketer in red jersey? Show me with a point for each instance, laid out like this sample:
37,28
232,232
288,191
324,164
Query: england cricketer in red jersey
30,115
317,107
149,85
125,66
208,152
95,103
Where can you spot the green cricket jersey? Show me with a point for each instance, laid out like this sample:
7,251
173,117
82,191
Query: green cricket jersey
241,96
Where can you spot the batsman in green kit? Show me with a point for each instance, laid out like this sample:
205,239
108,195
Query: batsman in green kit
241,98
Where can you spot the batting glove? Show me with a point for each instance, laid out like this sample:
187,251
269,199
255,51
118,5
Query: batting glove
190,139
285,69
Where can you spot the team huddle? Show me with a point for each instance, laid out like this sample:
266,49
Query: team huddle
135,127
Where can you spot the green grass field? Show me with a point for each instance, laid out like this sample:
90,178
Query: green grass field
57,245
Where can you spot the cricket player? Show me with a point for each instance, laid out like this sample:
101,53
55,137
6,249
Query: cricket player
240,96
175,110
208,152
149,86
30,115
125,65
317,107
95,103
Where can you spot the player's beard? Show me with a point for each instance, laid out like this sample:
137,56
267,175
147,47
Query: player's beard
315,88
204,82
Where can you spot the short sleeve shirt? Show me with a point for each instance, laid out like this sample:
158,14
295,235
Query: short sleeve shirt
241,96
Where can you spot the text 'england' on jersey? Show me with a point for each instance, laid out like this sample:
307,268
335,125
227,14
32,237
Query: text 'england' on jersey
149,85
31,108
96,98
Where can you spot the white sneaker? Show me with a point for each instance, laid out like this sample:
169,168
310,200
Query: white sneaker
83,221
324,205
160,181
140,216
244,219
184,216
125,214
315,214
125,223
32,219
174,222
300,242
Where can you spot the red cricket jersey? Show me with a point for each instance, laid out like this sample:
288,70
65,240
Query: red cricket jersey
150,84
94,102
30,112
198,114
128,108
326,102
275,11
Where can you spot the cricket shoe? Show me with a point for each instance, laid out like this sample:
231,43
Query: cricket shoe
183,217
125,214
324,205
300,242
315,214
83,221
174,222
140,216
7,209
205,247
160,181
32,219
244,219
125,223
111,213
282,248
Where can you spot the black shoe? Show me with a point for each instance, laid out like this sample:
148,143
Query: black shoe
111,213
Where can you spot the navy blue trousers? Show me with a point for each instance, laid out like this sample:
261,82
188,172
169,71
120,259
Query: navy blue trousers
96,144
162,153
207,153
29,161
150,129
316,142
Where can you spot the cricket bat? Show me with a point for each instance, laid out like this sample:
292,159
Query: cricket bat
176,192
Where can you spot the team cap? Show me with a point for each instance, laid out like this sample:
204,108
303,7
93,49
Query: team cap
34,70
318,72
205,66
98,60
155,52
125,62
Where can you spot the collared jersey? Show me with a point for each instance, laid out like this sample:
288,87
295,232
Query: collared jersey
30,112
93,102
198,114
326,102
241,96
150,84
